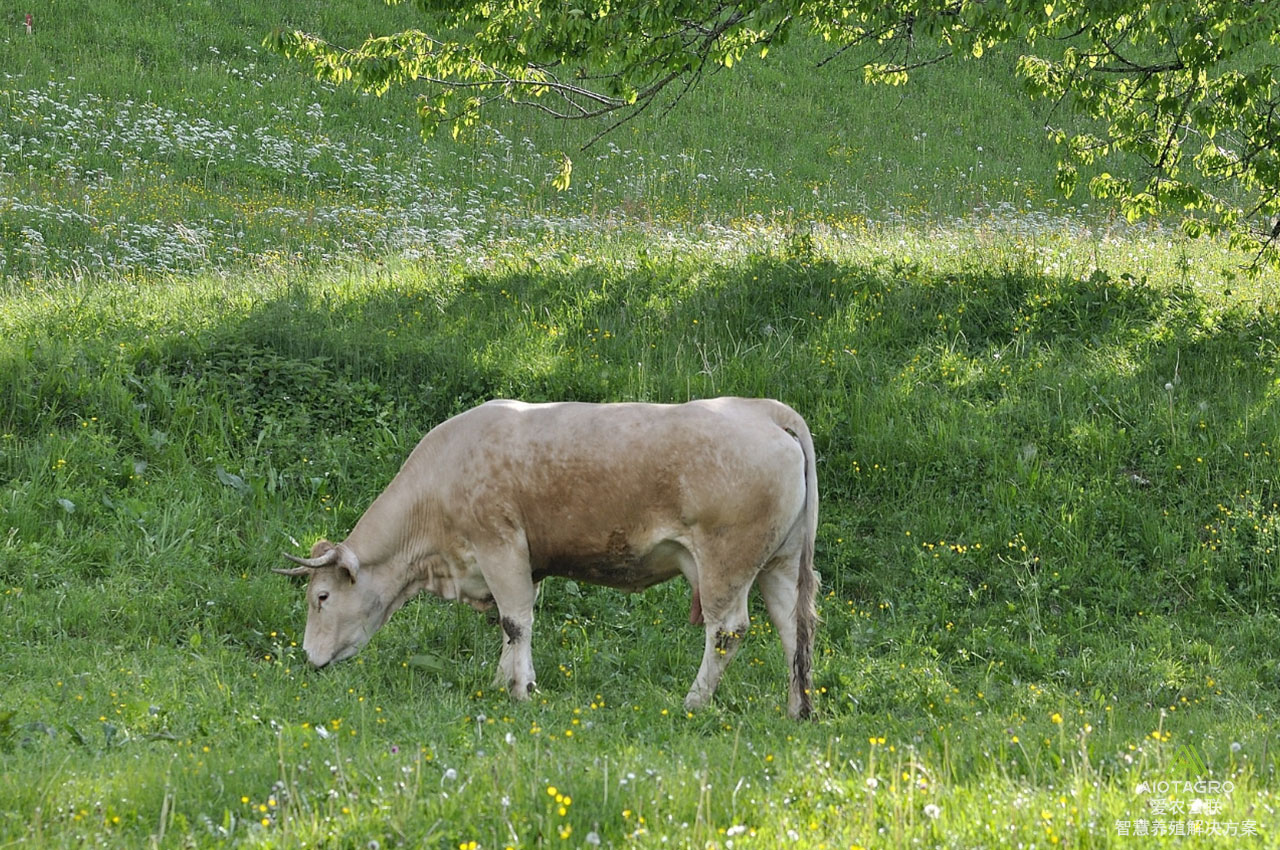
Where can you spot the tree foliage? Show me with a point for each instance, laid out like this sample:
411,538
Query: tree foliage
1186,87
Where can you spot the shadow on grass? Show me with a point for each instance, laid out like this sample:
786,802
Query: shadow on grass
1013,465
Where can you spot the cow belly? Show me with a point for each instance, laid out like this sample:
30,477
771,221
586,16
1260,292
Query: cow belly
623,570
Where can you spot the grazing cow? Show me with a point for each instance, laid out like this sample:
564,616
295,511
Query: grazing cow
722,491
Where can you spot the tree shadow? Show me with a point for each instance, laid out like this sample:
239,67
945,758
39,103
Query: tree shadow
1011,462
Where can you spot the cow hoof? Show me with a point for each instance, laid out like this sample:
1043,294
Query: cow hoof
519,692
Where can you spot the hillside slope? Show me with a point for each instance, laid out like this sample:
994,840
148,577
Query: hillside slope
162,136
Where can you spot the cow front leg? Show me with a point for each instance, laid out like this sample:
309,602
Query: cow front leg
508,576
515,665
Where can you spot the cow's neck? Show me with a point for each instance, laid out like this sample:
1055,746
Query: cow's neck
441,577
400,524
432,574
400,532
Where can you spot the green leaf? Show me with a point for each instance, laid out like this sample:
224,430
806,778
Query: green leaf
76,735
230,479
1066,179
429,663
7,730
562,178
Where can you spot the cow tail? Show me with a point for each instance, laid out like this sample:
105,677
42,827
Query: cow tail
806,613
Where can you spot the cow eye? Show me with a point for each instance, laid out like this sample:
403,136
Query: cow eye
322,597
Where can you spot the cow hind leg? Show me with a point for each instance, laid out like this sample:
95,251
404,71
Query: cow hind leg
727,622
780,590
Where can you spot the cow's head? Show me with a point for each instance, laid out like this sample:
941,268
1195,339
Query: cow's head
343,608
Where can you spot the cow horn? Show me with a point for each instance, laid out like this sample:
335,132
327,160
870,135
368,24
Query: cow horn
294,571
324,560
335,556
306,566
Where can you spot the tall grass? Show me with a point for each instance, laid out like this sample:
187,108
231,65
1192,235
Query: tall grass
233,300
1046,574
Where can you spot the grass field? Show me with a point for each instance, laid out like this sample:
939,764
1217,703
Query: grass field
170,142
232,301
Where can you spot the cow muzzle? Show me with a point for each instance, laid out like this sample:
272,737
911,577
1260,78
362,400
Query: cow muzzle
320,660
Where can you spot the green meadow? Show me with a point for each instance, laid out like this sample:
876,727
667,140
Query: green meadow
232,299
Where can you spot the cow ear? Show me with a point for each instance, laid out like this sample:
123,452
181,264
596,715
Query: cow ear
338,554
346,560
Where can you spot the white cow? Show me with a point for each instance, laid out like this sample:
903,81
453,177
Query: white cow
722,491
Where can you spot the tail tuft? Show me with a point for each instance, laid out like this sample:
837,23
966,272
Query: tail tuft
800,703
